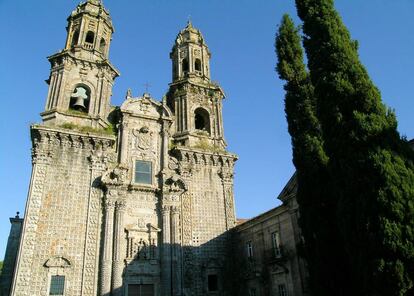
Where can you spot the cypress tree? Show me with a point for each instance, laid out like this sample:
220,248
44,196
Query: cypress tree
370,166
314,195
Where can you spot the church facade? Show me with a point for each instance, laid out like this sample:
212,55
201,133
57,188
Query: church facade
129,200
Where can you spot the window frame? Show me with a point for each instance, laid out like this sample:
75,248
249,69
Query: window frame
249,249
282,290
150,172
276,244
50,284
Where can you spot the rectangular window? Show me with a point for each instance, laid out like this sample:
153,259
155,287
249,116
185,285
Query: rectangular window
282,290
143,172
57,285
276,244
212,283
249,249
252,292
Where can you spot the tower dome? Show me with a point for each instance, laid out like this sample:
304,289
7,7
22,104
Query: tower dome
190,55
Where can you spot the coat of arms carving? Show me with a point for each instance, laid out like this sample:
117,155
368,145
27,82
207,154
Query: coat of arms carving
142,138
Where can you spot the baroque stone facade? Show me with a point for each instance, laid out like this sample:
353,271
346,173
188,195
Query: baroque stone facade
129,200
138,199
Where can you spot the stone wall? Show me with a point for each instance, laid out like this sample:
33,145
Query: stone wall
62,227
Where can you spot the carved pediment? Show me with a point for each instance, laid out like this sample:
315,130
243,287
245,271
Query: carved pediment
143,106
57,262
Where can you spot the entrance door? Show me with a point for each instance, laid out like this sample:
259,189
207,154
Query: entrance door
140,290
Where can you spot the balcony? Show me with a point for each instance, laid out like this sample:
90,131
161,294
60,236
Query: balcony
275,255
88,46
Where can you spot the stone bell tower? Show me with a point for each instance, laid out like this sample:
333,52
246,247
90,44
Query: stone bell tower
195,100
59,249
81,78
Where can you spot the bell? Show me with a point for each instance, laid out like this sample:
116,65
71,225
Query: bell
79,104
80,95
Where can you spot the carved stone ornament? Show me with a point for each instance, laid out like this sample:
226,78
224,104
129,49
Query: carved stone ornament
116,176
142,138
174,184
58,262
173,163
142,241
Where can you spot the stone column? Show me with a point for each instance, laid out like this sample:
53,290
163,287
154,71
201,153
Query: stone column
118,255
175,251
166,252
105,281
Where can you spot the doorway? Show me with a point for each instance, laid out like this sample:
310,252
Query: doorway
140,290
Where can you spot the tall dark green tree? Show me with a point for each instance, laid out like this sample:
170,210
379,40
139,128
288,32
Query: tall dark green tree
370,167
316,200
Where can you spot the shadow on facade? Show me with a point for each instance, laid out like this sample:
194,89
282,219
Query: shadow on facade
173,269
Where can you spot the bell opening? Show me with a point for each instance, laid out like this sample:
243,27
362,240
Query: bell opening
79,100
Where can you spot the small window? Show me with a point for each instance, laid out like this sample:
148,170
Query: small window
252,292
185,65
249,249
197,65
143,172
276,244
282,290
90,36
212,283
57,285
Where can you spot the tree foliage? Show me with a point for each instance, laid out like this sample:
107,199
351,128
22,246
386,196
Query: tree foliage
355,173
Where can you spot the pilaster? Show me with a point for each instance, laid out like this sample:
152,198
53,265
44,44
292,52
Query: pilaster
119,249
166,252
106,270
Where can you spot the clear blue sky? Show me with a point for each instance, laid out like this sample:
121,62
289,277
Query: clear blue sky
240,35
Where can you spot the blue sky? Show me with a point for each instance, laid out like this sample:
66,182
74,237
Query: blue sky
240,35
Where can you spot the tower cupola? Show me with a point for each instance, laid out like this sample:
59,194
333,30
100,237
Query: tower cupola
190,55
90,28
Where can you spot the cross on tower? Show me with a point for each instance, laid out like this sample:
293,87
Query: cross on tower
147,86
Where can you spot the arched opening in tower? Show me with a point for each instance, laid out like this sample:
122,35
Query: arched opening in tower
197,65
79,99
202,120
75,38
185,65
89,39
102,45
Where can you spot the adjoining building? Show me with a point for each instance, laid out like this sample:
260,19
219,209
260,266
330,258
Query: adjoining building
138,199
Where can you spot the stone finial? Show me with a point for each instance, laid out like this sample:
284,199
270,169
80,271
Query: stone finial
17,215
129,93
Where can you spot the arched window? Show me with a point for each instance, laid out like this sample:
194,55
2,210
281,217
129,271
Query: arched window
75,38
80,98
102,45
90,36
202,120
185,65
197,65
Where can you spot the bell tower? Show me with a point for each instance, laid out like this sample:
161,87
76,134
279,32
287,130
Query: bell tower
194,99
81,77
